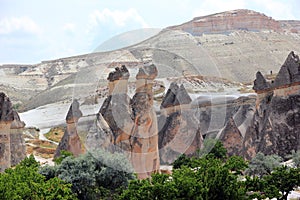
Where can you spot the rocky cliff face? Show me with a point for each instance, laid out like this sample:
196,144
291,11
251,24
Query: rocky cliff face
268,124
71,140
233,41
275,128
229,21
291,25
12,144
226,119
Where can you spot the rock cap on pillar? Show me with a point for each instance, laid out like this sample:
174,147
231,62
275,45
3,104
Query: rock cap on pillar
148,72
6,111
119,74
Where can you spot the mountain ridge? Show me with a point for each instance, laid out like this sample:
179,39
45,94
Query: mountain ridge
175,52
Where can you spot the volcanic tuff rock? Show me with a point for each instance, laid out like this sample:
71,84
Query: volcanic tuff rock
144,136
260,82
272,124
175,96
100,136
231,137
268,122
129,125
12,144
71,140
116,110
119,73
289,72
179,130
275,127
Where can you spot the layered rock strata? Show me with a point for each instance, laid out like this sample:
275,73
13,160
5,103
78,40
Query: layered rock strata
229,21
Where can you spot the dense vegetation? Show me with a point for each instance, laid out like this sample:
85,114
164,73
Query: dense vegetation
214,176
24,182
108,176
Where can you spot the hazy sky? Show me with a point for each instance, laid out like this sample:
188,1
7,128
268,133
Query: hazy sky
36,30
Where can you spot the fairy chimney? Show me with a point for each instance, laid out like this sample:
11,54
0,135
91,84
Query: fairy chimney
144,137
71,140
12,144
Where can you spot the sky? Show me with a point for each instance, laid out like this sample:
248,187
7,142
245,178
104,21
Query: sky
35,30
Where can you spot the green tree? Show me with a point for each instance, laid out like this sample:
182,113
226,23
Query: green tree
281,182
218,150
254,187
236,164
278,184
158,187
24,182
212,148
182,160
211,178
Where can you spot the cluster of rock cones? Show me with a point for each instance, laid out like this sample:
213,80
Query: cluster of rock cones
268,123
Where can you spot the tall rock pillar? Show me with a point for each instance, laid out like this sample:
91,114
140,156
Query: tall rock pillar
12,144
144,136
116,112
71,141
17,142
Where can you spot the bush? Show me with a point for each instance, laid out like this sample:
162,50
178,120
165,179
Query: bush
296,158
93,175
262,165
